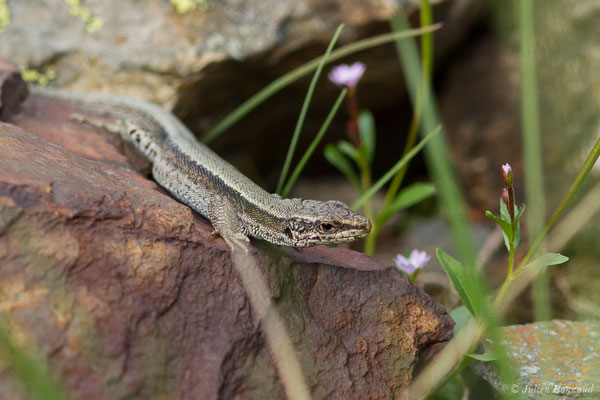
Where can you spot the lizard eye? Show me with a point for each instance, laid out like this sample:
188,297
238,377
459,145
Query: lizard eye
326,227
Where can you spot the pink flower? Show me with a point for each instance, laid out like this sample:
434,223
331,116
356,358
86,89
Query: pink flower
415,262
347,75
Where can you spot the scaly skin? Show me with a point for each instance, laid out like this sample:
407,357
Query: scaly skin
199,178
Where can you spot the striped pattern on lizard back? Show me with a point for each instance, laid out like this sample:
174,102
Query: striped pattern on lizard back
198,177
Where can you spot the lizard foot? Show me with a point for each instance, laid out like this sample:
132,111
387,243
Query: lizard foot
237,240
233,240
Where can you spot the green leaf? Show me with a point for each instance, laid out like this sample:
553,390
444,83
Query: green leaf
505,226
338,160
348,149
547,259
488,356
519,212
517,233
504,211
362,157
461,316
506,217
366,129
410,196
468,291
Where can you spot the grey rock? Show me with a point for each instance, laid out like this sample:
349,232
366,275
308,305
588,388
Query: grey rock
556,359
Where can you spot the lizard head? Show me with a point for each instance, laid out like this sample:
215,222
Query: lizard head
322,222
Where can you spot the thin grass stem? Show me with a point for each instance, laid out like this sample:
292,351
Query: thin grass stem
532,153
438,160
305,157
426,19
304,110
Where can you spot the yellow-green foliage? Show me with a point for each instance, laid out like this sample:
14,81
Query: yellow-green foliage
77,9
4,15
183,6
34,76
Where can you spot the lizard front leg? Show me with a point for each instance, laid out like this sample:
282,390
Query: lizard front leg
226,223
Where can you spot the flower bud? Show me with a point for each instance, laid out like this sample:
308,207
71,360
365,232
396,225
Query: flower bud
507,175
505,196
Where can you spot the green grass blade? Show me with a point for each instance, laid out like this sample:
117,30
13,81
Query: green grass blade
436,152
392,171
31,372
304,70
303,111
313,145
532,152
426,19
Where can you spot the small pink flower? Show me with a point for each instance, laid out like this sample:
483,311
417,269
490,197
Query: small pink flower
507,175
347,75
416,261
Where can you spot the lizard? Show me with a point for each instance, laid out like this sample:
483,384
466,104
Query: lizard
195,175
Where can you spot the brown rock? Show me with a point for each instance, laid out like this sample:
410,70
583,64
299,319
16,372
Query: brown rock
122,289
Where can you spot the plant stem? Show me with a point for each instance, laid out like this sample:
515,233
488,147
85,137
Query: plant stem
511,208
569,196
511,256
352,125
437,155
502,292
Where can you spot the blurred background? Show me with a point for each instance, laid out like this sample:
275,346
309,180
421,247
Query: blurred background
204,58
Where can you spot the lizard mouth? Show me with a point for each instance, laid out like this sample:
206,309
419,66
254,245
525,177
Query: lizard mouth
358,229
